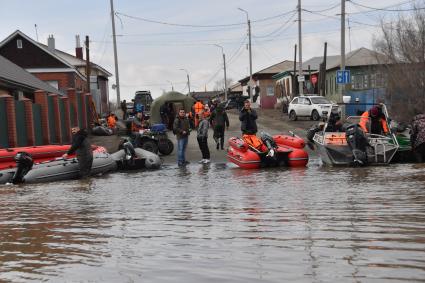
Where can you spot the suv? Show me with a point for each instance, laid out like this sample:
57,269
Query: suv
308,106
144,98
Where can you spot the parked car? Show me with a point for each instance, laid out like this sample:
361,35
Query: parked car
308,106
130,109
235,102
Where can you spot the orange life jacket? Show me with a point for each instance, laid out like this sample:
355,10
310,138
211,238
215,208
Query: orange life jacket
198,107
111,121
364,119
136,127
254,141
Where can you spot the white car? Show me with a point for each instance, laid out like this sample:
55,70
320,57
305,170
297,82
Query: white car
308,106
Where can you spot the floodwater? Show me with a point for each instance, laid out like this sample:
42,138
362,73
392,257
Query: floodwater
217,223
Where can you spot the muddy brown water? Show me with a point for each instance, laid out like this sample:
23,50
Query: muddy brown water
218,223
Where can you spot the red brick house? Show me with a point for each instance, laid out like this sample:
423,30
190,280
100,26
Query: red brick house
57,68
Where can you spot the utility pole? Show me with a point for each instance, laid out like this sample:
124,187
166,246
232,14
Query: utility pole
224,67
88,70
225,77
250,53
117,77
294,81
188,83
300,64
188,80
342,43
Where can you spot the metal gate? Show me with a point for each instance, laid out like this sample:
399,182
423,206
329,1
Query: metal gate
21,129
4,141
38,131
52,120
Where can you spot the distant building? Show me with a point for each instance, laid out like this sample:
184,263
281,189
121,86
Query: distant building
205,96
266,84
368,82
57,68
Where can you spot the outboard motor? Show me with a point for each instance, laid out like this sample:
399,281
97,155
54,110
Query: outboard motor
334,118
130,153
24,164
269,142
313,130
358,143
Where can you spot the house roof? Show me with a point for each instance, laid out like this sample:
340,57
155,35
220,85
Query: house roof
236,87
18,32
15,75
75,61
204,94
274,69
355,58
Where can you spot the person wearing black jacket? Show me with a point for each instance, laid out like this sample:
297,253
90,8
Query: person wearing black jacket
82,147
220,121
248,118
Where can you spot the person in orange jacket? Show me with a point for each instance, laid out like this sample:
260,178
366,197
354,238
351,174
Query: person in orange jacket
137,123
377,121
198,107
111,121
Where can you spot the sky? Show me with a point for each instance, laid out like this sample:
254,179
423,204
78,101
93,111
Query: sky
151,55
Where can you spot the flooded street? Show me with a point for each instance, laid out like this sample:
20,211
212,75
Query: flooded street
218,223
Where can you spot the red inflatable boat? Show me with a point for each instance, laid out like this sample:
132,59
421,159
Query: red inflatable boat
38,153
288,151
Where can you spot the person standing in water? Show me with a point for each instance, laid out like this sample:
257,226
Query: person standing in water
82,147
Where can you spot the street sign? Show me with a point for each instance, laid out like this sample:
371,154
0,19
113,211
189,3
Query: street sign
313,79
343,77
301,78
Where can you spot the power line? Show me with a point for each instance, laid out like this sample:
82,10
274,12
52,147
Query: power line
278,29
336,18
328,9
200,26
232,57
385,9
373,11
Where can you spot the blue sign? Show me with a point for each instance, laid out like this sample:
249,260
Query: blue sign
343,77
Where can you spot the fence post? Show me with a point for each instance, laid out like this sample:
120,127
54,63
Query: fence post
84,110
73,108
66,135
89,110
12,138
29,121
40,97
58,129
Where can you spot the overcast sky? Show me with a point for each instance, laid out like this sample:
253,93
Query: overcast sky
151,55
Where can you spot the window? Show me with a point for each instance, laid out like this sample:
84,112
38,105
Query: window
380,80
336,86
54,84
365,81
319,100
270,91
357,81
295,101
19,43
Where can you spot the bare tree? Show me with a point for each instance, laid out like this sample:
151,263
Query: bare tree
403,44
219,85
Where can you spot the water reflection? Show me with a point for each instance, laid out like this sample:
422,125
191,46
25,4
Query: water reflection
218,223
